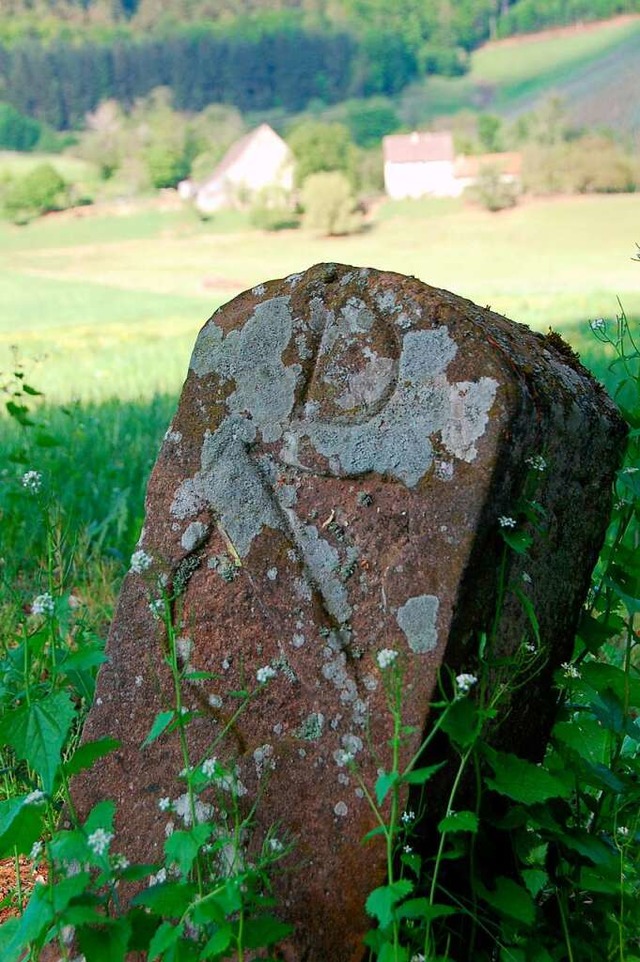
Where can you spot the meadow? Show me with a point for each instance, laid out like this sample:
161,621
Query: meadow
593,68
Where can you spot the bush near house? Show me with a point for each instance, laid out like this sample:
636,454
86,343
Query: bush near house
329,204
492,191
589,165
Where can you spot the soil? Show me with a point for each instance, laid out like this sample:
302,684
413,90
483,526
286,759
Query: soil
8,884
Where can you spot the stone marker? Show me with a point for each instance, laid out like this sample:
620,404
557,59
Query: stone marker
331,485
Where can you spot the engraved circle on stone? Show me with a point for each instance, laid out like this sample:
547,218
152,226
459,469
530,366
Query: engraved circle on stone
354,379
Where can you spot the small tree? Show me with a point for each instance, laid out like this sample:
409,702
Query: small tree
319,147
272,210
38,192
329,204
492,191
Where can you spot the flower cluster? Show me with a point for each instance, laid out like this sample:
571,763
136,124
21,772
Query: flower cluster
43,604
99,841
264,674
140,561
465,682
570,671
536,462
505,521
386,657
32,481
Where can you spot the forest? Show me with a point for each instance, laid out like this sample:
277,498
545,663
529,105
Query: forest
252,55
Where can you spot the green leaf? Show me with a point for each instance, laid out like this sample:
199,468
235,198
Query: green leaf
105,943
523,781
392,953
32,924
183,847
378,830
418,776
384,783
266,930
20,825
165,936
530,612
160,722
87,754
459,822
518,541
101,816
510,899
31,390
462,722
37,732
219,941
170,899
535,880
381,901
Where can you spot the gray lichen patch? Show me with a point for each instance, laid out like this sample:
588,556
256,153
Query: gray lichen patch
194,535
396,440
417,618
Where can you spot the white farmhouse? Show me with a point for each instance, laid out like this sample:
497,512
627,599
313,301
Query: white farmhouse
259,159
418,164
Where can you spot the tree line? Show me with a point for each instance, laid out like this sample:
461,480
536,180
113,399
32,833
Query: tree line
286,69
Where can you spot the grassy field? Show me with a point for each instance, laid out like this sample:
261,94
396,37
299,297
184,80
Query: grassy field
594,68
111,305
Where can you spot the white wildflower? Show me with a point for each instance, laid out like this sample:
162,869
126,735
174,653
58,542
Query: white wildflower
419,957
209,767
140,561
34,798
623,830
407,850
99,841
264,674
386,657
32,481
202,810
599,324
36,851
505,521
530,646
570,671
157,607
164,804
408,816
43,605
276,845
536,462
120,862
465,682
158,878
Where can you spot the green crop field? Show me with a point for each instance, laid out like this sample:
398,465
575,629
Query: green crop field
595,69
110,306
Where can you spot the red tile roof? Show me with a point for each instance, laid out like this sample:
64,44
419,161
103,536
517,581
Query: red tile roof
417,147
506,163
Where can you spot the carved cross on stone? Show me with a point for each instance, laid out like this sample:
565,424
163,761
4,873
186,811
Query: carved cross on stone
331,485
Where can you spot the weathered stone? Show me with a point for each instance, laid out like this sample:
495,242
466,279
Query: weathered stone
331,486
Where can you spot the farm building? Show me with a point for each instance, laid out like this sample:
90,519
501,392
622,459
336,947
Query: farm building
420,164
259,159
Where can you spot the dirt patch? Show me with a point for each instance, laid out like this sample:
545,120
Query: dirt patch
29,877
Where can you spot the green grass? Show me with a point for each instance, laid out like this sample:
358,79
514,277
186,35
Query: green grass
595,70
114,304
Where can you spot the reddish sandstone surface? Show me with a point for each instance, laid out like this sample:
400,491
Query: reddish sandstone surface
331,485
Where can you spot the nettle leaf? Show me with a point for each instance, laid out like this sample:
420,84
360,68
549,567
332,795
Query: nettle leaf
170,899
518,541
165,936
624,684
265,931
183,847
585,736
462,722
509,898
105,943
101,816
21,824
384,783
87,754
523,781
37,732
459,822
381,901
393,953
160,722
535,880
219,941
418,776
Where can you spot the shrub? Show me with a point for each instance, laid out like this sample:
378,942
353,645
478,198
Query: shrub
329,204
271,210
17,132
492,191
38,192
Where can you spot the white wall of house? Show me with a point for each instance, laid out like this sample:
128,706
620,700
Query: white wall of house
434,177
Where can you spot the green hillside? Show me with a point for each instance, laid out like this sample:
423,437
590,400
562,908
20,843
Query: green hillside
594,68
